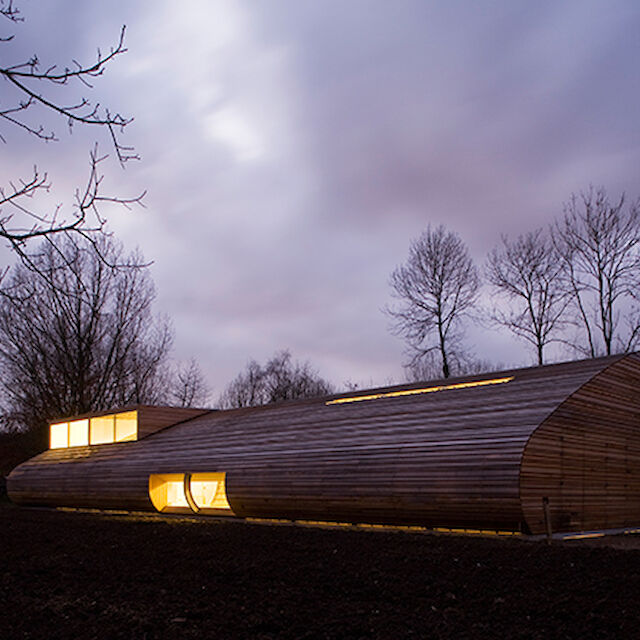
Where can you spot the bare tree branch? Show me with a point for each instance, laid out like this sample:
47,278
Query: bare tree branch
21,222
30,91
8,10
84,216
189,388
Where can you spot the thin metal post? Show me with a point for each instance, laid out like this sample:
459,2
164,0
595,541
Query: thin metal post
547,518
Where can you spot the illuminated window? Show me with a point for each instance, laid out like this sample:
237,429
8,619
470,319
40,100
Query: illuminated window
208,491
59,434
102,430
119,427
126,426
167,492
415,392
78,433
181,493
204,492
175,494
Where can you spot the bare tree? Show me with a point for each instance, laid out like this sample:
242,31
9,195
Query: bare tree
280,379
437,288
245,390
286,380
34,93
83,338
598,242
527,273
189,388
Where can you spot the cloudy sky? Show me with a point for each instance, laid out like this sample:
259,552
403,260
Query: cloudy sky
292,149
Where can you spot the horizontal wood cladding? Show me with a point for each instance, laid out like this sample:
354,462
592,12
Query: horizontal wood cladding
585,457
449,458
152,419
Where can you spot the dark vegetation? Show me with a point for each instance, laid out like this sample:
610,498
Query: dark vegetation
18,446
89,575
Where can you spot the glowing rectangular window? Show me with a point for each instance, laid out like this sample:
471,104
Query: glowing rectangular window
414,392
208,491
102,430
78,433
59,435
126,426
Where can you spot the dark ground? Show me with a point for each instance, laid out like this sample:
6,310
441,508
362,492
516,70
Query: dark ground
90,575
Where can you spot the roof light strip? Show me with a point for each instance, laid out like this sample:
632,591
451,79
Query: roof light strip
415,392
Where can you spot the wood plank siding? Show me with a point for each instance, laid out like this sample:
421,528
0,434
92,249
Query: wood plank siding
476,457
585,457
152,419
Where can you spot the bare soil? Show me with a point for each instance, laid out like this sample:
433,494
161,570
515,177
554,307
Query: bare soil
93,575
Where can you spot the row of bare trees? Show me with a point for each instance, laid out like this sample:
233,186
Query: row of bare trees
576,283
281,378
78,334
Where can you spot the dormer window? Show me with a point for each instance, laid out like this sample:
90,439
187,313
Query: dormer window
115,427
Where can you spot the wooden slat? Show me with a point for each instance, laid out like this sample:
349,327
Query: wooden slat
455,458
586,456
152,419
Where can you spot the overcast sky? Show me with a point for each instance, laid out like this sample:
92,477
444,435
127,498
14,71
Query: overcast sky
291,150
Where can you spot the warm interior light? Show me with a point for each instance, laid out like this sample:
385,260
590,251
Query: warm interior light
126,426
580,536
78,433
209,492
167,492
59,435
119,427
175,494
206,493
102,429
414,392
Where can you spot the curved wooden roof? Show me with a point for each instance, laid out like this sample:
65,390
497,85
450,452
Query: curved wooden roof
585,456
455,457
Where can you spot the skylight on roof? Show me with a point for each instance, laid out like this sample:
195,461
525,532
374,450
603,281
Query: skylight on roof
415,392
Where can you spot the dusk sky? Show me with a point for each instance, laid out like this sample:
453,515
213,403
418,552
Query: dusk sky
291,151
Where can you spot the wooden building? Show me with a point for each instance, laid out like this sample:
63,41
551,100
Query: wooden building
483,452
